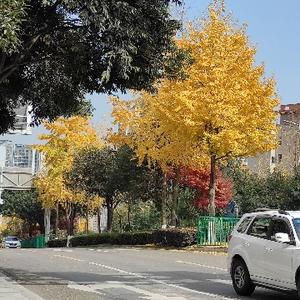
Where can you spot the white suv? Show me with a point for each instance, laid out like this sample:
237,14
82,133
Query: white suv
264,250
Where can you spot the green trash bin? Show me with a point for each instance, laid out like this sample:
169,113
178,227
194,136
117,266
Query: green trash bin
40,241
34,242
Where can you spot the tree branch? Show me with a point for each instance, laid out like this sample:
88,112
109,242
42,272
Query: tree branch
3,58
221,157
6,75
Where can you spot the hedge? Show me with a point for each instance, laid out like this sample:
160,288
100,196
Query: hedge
126,238
175,237
57,243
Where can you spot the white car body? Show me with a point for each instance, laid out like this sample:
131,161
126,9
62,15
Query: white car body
11,242
270,263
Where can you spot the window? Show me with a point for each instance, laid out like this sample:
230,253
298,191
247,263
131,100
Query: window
273,159
11,239
279,158
260,227
279,225
244,224
296,222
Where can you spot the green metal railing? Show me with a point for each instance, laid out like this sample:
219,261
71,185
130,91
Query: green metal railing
214,231
34,242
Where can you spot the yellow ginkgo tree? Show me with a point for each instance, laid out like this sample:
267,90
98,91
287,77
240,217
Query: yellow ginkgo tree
65,138
223,109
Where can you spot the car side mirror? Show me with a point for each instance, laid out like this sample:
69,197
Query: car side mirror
282,238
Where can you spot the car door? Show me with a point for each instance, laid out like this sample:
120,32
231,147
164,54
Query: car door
254,245
278,257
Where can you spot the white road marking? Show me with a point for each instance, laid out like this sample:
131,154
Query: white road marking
175,286
127,249
159,281
84,287
200,265
62,250
94,288
223,281
68,257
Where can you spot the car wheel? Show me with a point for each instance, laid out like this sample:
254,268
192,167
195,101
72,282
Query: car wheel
241,280
298,286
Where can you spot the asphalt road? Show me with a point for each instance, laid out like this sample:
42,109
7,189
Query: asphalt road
121,273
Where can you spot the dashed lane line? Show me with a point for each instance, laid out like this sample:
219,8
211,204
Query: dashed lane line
69,257
201,265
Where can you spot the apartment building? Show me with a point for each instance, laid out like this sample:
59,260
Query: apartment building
287,155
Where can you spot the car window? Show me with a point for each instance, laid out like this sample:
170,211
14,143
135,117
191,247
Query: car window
296,222
279,225
260,227
10,239
244,224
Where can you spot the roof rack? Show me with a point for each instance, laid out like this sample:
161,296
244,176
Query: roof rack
283,212
262,209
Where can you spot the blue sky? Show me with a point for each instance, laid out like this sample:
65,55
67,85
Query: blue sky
273,26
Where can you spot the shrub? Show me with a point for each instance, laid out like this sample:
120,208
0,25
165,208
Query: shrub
126,238
57,243
175,237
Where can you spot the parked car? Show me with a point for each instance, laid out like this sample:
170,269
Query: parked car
11,242
264,250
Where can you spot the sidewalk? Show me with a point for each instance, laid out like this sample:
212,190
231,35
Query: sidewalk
10,290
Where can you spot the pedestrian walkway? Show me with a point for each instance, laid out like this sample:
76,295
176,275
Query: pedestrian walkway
10,290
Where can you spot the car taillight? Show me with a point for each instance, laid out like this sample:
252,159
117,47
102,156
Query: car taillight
229,237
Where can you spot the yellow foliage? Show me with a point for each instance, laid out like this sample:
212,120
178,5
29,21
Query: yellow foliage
224,108
65,139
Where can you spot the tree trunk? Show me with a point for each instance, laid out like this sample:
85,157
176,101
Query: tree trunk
164,203
176,203
70,215
110,212
47,216
129,215
57,219
172,204
99,220
212,187
87,223
175,200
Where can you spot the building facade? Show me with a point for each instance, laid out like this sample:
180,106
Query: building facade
18,164
287,155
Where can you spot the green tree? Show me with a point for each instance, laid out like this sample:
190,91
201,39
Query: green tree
12,13
292,192
62,49
23,205
275,190
107,173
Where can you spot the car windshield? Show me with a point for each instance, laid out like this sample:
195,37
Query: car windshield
296,222
11,239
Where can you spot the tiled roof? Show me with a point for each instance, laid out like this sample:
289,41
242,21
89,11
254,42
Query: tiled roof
289,109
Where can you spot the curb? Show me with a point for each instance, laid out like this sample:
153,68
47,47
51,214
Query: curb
194,248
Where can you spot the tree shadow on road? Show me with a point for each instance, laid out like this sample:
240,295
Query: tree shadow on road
217,283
